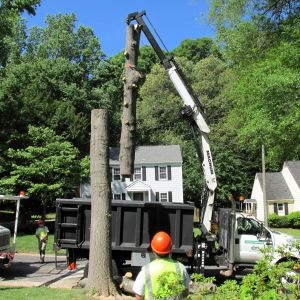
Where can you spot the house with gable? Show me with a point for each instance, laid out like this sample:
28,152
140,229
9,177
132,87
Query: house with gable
282,190
157,175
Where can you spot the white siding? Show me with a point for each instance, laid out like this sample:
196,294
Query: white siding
257,194
175,185
293,187
293,204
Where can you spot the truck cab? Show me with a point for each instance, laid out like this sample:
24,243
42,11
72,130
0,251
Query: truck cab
252,236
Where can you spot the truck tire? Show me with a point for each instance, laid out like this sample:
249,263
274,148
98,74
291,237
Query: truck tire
115,271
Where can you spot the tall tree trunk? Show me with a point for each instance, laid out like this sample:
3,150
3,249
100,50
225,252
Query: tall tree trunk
132,76
100,260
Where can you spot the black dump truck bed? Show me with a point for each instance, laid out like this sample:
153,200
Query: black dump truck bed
133,224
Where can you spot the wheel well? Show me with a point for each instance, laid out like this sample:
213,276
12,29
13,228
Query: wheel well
284,259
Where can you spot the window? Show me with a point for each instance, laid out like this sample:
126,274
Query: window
248,226
116,174
117,196
162,172
137,173
163,197
280,209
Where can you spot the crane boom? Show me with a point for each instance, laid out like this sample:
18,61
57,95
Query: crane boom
193,109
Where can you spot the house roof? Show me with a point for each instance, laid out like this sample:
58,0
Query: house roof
138,186
294,168
151,154
276,186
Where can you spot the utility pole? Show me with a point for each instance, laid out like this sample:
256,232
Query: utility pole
264,186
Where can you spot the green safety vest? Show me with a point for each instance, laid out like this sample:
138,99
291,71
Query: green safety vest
41,232
157,267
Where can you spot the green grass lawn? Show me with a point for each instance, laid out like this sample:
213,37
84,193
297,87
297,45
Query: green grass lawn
27,243
294,232
44,293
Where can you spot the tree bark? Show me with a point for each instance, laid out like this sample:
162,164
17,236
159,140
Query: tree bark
132,76
100,259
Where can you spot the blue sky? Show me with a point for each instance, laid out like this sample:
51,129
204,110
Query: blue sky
175,20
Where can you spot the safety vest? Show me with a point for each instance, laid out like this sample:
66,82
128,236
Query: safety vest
155,269
41,232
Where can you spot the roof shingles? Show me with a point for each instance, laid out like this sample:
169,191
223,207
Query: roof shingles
276,186
151,154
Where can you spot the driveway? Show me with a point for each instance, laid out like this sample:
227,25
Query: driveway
27,271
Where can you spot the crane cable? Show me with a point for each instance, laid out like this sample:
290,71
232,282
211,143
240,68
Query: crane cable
160,39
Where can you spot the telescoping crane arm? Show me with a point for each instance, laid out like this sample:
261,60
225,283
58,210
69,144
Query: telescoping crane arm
193,109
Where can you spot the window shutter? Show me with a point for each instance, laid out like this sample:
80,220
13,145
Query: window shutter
123,196
286,208
275,208
156,172
144,173
157,196
170,196
169,173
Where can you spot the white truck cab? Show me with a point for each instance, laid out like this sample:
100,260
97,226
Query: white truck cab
252,236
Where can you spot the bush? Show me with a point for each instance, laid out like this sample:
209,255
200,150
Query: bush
284,222
294,219
276,221
273,221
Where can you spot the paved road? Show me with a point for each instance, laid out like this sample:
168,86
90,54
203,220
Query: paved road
27,271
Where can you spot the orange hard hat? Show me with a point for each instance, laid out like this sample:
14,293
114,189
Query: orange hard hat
161,243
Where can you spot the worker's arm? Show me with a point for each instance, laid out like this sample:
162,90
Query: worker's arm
138,286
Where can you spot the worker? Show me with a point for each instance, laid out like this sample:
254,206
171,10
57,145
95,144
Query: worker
42,237
163,277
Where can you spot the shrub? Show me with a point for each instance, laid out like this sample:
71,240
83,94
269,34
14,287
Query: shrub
276,221
294,219
284,222
273,221
228,290
170,284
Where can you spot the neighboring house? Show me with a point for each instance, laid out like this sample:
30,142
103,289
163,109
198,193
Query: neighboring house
282,190
157,175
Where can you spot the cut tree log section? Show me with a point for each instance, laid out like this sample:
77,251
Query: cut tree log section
131,79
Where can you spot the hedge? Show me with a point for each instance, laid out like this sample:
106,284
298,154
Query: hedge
290,221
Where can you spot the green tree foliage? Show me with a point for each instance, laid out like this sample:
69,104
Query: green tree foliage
260,40
159,121
269,90
20,6
195,50
47,169
52,81
9,25
55,84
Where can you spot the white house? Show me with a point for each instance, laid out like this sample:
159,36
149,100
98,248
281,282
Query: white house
157,175
282,190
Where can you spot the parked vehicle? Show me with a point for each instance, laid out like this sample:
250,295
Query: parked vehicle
8,249
236,242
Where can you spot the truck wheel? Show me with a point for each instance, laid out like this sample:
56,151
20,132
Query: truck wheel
115,271
291,277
